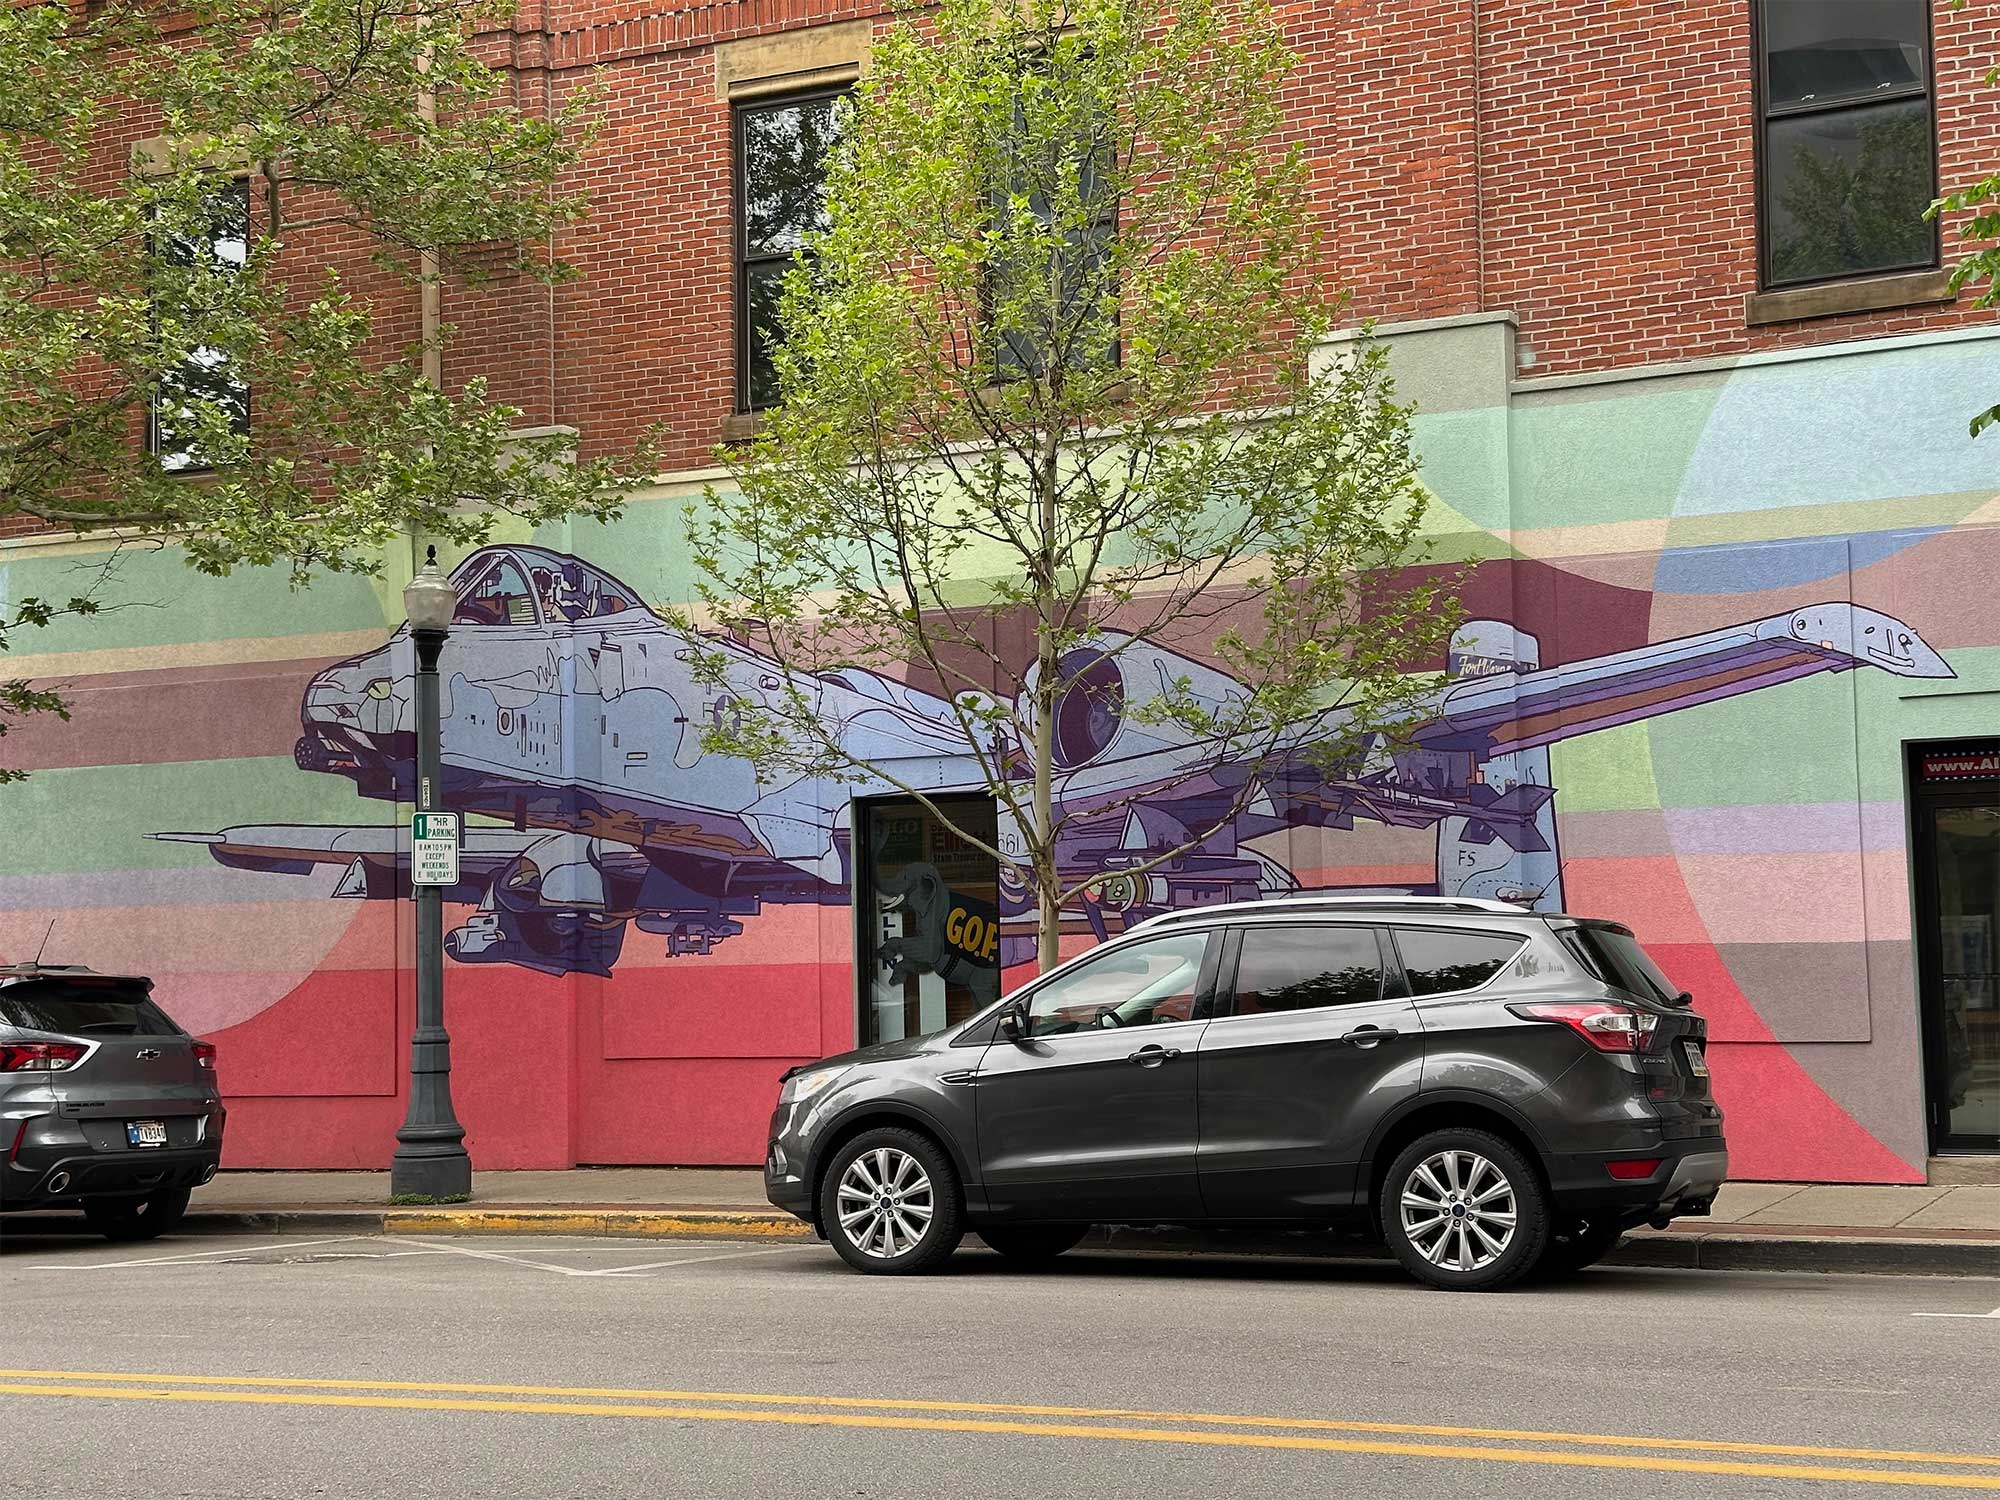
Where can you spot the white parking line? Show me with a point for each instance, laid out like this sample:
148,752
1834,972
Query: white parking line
692,1260
1994,1314
495,1255
167,1260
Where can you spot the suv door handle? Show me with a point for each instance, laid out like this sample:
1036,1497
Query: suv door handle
1368,1036
1152,1055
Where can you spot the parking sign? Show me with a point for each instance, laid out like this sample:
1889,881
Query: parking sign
434,849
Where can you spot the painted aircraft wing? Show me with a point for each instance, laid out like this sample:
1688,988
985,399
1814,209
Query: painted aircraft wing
374,856
1519,711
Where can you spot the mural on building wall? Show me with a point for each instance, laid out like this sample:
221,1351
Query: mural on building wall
573,718
1688,612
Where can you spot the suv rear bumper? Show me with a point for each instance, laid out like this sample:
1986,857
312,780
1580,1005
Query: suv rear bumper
64,1181
1684,1183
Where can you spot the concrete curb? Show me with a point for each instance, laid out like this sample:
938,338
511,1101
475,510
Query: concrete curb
663,1223
1703,1250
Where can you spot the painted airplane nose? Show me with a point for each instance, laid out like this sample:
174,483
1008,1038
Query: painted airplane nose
1886,642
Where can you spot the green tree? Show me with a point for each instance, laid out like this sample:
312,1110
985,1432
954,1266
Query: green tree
1980,202
178,353
1054,396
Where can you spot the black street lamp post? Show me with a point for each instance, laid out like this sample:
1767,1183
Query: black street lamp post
430,1159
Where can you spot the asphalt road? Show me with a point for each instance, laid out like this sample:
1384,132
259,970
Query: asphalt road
499,1368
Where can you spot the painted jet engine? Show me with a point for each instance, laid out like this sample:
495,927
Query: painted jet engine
572,722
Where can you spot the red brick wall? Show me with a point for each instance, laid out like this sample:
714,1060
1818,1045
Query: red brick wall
1620,181
1585,164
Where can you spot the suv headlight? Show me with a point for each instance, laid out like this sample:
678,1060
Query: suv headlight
803,1086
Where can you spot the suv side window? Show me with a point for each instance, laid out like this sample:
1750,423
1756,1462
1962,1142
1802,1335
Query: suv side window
1132,985
1307,967
1441,962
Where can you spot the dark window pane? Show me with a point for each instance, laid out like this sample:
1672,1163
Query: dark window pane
1819,51
1845,192
1304,968
784,173
205,391
931,929
90,1008
1439,963
763,285
1617,958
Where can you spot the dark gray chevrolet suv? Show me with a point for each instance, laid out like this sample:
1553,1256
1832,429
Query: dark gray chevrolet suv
1491,1090
105,1104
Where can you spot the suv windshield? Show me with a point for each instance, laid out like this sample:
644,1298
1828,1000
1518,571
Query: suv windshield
84,1007
1614,956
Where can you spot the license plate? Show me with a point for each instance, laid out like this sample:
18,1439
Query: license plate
147,1132
1697,1064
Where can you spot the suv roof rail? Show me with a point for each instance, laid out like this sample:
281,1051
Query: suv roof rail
1337,903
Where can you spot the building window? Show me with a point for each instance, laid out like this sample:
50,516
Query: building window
781,158
1847,150
1041,173
203,394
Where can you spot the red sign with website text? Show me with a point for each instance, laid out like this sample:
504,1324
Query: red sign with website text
1962,765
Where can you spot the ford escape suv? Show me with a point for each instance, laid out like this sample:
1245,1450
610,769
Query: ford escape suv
105,1104
1492,1091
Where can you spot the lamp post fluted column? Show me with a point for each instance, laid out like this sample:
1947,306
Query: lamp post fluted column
430,1159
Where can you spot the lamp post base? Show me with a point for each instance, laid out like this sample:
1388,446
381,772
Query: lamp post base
430,1169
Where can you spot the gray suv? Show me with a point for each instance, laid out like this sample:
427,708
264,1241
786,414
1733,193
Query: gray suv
1492,1091
105,1104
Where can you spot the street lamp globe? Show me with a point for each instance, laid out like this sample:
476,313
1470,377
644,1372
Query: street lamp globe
429,600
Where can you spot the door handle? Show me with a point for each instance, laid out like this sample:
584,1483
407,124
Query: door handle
1152,1055
1368,1036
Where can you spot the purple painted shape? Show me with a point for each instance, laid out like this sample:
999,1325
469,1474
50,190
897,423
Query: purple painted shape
1786,828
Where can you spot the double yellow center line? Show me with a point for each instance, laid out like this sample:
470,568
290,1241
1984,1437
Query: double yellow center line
1584,1450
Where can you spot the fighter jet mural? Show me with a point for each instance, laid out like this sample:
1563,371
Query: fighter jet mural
572,720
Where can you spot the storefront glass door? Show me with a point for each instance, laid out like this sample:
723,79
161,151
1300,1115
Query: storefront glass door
1958,853
928,902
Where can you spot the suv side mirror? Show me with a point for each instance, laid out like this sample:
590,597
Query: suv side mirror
1014,1024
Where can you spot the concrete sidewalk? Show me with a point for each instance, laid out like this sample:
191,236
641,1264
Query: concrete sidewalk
1941,1230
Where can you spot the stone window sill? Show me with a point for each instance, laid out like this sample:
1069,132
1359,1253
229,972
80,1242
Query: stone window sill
1865,294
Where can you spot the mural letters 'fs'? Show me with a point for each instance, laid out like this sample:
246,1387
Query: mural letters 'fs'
573,720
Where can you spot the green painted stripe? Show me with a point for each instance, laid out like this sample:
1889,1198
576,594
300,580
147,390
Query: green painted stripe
96,818
162,602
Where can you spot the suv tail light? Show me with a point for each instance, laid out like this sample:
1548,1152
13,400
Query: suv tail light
204,1055
40,1057
1607,1027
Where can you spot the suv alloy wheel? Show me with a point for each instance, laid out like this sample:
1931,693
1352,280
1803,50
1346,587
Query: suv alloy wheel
1463,1210
890,1203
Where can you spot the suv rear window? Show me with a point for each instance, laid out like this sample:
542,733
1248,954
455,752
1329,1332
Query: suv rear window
1614,956
83,1008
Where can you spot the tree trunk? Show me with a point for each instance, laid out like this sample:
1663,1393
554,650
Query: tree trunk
1041,841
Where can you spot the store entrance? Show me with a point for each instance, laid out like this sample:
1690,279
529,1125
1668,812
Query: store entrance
929,908
1956,805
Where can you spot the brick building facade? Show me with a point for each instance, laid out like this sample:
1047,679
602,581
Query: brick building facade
1647,439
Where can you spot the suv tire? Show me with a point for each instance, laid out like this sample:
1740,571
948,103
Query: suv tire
890,1203
1464,1210
136,1218
1034,1245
